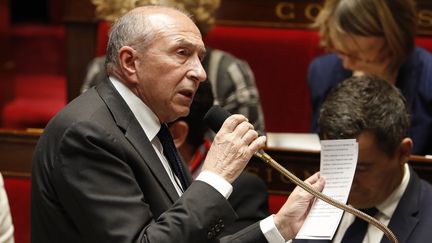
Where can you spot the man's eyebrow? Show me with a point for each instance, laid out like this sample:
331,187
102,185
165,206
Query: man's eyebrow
201,49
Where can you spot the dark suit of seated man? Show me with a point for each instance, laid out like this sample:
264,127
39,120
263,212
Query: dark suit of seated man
106,170
375,113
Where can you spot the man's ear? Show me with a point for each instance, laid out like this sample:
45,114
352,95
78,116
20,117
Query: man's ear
179,131
405,149
127,57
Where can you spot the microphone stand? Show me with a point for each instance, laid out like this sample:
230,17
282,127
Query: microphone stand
270,161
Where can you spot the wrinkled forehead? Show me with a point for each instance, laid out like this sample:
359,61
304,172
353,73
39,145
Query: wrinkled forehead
177,27
172,19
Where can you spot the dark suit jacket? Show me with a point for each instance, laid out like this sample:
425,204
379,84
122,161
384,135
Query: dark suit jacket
412,220
249,200
414,80
97,178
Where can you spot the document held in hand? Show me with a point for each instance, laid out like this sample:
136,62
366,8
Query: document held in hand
337,165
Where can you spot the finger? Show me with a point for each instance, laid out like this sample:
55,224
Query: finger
316,181
250,136
232,122
242,129
258,144
312,179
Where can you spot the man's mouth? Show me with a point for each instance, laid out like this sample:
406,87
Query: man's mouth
187,93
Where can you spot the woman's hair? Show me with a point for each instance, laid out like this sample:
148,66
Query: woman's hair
202,12
395,20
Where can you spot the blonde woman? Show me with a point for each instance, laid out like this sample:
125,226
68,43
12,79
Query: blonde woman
376,38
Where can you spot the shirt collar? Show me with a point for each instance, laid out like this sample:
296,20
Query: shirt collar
389,205
145,116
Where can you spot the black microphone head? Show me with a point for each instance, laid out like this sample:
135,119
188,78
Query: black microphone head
215,117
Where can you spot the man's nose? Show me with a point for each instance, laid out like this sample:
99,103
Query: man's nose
197,72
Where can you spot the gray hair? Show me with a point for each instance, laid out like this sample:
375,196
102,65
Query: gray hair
133,29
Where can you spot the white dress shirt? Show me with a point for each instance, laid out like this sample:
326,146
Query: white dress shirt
151,125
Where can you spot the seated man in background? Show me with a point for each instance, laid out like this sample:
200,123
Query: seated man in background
249,198
375,113
6,226
232,80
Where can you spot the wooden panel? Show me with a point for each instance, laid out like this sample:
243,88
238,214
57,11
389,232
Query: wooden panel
81,29
79,11
293,13
16,151
81,49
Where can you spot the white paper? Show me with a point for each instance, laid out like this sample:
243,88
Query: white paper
337,165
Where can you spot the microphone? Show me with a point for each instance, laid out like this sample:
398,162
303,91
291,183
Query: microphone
216,116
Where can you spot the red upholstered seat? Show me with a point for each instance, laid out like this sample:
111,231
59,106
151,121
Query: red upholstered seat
425,42
37,99
276,201
279,59
18,191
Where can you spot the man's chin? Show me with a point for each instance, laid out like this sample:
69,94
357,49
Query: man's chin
179,112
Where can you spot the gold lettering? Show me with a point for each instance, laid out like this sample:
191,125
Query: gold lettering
425,18
312,10
285,10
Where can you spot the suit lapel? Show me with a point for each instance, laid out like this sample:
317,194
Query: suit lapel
127,122
405,217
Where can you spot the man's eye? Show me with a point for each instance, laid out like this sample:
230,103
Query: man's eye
201,57
183,52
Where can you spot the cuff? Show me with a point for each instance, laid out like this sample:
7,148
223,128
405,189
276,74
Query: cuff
217,182
271,233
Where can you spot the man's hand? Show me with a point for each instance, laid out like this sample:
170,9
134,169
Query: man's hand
232,148
293,213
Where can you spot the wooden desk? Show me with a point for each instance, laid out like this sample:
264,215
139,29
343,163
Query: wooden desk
16,150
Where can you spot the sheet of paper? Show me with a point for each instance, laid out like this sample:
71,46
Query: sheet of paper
338,163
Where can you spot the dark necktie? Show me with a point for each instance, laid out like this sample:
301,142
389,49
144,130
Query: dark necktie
357,230
171,154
